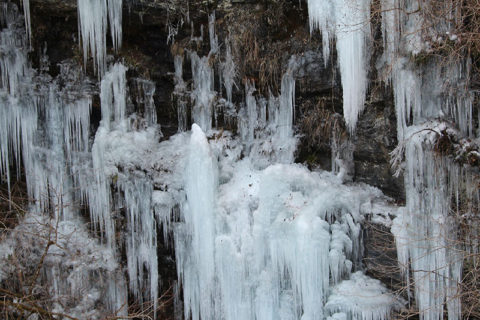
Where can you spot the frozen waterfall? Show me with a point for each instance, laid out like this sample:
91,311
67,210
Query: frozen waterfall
46,126
254,235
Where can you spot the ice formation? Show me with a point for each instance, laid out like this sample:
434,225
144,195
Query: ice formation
179,93
145,92
94,16
243,222
141,237
196,258
211,32
202,93
255,228
28,24
370,294
113,97
425,231
46,126
422,95
248,117
349,22
255,235
228,72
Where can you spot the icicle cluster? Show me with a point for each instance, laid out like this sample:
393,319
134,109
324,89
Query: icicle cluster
422,94
425,231
349,22
202,93
141,237
47,126
256,237
94,16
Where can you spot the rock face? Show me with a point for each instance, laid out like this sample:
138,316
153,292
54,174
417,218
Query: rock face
263,37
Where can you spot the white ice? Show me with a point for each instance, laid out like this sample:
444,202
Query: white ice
94,16
348,22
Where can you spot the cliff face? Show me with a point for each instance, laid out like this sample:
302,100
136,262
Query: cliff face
264,36
218,215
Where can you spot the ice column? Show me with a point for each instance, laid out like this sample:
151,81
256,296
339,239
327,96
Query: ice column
194,241
287,103
283,141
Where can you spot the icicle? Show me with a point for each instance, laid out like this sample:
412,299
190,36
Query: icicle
115,19
99,197
423,93
248,116
93,17
283,140
211,33
92,21
77,125
229,72
202,93
178,64
28,25
390,32
179,93
322,17
287,103
141,237
342,157
113,104
182,115
13,62
350,22
113,96
352,32
18,123
50,151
